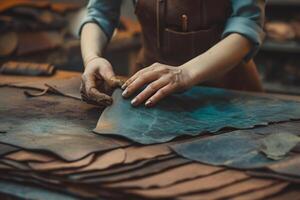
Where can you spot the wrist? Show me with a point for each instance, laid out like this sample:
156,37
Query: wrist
190,74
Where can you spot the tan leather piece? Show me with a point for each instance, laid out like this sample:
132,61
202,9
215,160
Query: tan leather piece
137,153
24,155
263,193
16,165
8,43
5,167
101,162
169,177
293,195
197,185
60,164
231,190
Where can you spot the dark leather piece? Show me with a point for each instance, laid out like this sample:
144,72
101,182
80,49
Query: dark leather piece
251,184
199,110
141,172
40,124
29,69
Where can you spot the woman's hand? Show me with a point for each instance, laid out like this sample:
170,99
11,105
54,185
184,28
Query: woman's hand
98,80
162,81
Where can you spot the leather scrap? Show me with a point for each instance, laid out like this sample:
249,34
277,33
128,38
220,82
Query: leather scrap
277,146
197,111
24,155
291,194
40,124
27,69
141,172
169,177
8,43
238,149
201,184
263,193
249,185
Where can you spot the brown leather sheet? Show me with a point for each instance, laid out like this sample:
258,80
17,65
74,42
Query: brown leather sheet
169,177
148,170
118,169
263,193
215,181
52,123
249,185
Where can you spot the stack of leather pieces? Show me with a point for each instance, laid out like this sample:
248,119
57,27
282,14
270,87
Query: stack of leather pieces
29,26
48,151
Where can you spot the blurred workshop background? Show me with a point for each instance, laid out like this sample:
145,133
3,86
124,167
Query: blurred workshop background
46,32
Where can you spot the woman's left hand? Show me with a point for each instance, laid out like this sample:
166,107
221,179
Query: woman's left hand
161,80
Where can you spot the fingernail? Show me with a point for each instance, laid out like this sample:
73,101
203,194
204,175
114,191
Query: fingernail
124,94
123,86
148,103
134,101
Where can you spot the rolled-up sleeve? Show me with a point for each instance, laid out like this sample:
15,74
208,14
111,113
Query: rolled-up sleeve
105,13
247,19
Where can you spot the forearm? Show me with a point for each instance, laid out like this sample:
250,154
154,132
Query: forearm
218,60
93,41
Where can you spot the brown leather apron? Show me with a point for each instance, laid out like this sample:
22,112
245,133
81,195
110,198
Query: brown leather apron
175,31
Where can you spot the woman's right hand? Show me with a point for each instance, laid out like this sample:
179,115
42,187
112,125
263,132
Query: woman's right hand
98,82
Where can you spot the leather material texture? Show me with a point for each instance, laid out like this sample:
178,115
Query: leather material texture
197,111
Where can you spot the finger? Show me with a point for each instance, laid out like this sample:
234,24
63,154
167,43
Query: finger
159,95
100,98
143,79
115,82
149,91
135,76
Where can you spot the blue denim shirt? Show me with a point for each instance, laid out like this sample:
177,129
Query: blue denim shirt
247,19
